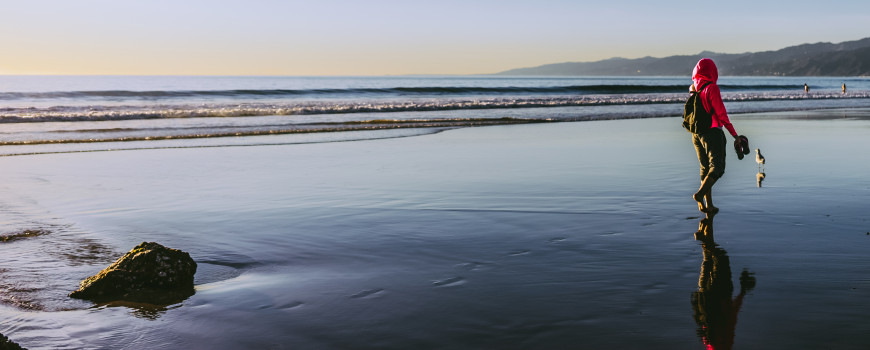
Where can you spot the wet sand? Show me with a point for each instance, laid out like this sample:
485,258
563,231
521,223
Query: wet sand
560,235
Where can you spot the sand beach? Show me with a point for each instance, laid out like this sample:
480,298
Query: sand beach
556,235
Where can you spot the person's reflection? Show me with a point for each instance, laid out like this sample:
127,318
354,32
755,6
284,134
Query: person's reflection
714,310
760,177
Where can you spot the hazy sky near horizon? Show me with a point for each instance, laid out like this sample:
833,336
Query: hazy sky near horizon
387,37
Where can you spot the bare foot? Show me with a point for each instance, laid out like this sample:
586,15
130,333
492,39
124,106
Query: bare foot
711,210
698,197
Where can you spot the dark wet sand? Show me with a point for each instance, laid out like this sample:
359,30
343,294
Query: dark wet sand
570,235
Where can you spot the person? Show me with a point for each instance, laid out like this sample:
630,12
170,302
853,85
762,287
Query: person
844,88
710,144
806,88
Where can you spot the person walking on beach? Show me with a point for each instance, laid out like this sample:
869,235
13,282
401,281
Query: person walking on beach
806,88
844,88
710,143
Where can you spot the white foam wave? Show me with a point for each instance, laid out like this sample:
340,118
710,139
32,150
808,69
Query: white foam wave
168,111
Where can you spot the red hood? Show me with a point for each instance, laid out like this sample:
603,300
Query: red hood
705,71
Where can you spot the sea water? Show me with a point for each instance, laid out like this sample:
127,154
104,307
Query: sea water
86,113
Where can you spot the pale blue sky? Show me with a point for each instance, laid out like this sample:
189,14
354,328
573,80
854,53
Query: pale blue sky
334,37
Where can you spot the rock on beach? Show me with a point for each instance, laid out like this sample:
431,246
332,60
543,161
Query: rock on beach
149,273
6,344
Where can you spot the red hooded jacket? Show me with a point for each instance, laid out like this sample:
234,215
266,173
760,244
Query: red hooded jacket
705,71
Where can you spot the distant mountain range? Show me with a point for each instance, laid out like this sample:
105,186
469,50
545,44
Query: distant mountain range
850,58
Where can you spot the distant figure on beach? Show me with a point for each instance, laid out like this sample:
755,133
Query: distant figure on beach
844,88
710,144
715,312
806,88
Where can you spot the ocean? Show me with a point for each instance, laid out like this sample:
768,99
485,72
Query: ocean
47,114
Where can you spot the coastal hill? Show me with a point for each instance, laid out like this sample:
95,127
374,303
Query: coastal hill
850,58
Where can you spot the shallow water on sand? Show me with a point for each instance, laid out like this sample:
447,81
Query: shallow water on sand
533,236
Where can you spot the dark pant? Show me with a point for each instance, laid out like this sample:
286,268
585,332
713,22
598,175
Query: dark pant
710,146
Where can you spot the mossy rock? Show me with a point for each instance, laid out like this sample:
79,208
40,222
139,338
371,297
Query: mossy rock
149,273
6,344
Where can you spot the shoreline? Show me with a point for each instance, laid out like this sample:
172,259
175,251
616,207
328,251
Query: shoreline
369,130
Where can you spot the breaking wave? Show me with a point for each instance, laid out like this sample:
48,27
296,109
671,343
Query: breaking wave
101,112
391,91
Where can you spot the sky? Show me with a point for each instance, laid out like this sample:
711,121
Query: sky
386,37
